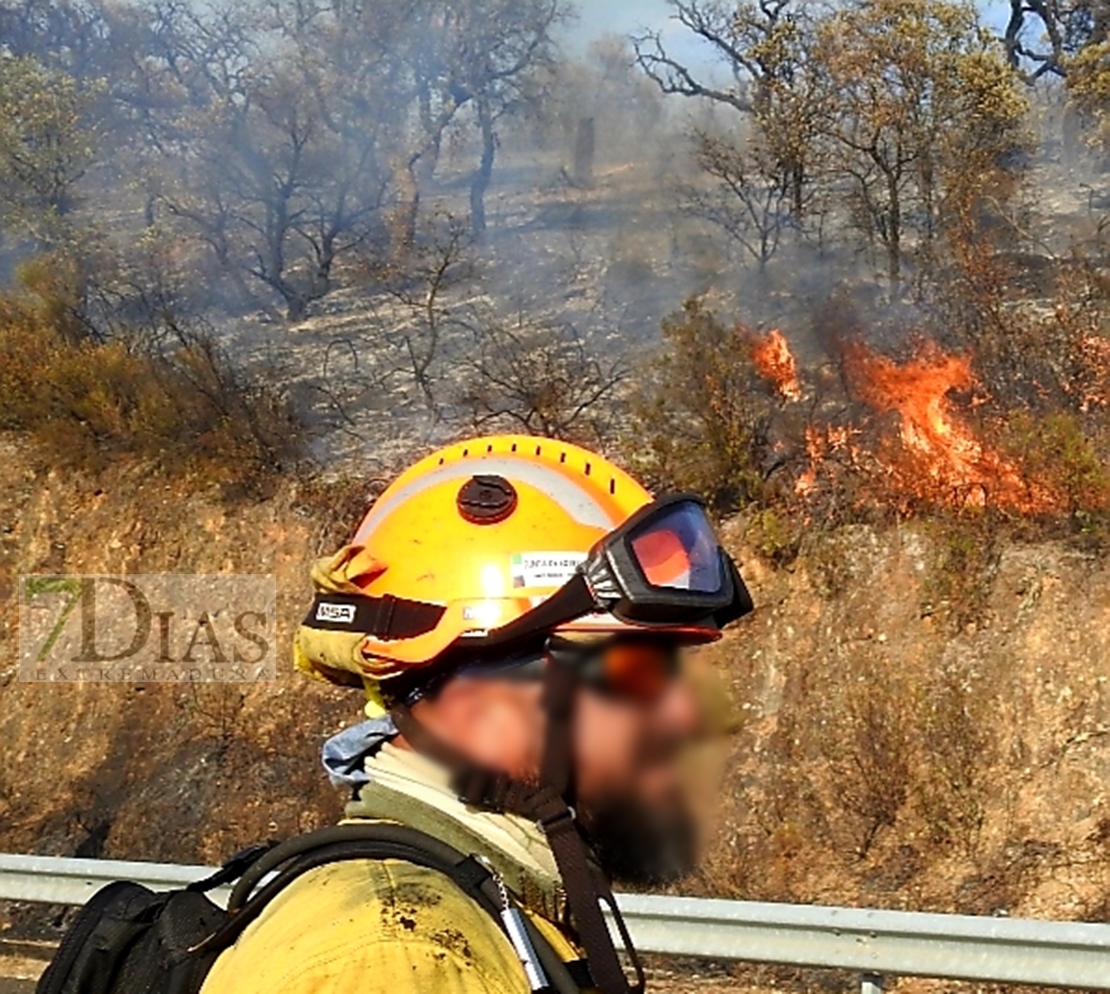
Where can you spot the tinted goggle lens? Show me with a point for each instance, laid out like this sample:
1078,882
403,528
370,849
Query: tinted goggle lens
678,550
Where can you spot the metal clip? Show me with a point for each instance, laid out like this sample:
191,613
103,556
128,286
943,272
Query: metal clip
517,930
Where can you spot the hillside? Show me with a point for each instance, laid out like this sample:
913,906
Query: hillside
841,269
890,750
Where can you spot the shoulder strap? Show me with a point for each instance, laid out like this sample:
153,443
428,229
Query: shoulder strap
297,856
538,888
232,869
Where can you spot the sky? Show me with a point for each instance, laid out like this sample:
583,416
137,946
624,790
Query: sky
625,17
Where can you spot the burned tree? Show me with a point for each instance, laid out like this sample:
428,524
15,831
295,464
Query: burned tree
284,171
734,37
765,47
497,54
750,200
585,146
1042,36
275,192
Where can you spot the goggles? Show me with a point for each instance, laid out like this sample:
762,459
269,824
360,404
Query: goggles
663,567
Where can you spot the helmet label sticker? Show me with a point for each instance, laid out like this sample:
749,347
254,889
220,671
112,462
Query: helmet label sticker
342,614
544,569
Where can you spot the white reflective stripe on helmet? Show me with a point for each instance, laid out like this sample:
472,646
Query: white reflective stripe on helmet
577,501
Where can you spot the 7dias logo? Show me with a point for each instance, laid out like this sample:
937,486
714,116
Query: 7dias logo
146,628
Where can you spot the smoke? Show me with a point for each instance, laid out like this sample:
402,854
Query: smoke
375,197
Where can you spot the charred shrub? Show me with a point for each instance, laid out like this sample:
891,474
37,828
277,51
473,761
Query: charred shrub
958,755
541,379
869,750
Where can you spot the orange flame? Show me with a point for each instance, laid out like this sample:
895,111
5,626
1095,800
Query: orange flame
776,364
944,457
836,440
1096,351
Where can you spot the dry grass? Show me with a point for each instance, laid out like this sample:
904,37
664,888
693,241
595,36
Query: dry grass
179,405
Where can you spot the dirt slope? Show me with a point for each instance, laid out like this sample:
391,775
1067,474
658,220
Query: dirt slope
888,753
157,771
894,752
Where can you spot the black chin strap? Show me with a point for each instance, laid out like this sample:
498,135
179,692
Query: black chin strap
546,804
560,682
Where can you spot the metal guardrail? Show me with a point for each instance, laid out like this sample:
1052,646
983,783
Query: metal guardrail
62,880
873,943
953,947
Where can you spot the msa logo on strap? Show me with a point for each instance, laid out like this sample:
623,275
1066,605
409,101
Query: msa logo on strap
336,614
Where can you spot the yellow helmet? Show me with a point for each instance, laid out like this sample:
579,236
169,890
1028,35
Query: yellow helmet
471,539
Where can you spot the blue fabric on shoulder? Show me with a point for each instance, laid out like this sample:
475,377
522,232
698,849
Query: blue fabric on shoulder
344,755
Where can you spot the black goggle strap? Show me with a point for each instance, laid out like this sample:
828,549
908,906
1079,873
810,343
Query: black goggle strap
560,681
571,601
575,599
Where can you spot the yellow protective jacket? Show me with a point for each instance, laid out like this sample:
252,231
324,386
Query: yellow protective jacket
363,927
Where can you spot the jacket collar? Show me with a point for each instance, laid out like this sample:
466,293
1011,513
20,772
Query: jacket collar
407,787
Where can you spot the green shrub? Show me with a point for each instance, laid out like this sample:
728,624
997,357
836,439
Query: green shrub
961,576
702,412
775,535
1060,459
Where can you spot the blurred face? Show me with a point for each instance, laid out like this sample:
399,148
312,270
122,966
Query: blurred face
634,716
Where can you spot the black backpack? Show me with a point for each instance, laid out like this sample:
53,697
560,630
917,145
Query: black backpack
130,940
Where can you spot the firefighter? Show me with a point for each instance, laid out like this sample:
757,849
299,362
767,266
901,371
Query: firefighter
515,609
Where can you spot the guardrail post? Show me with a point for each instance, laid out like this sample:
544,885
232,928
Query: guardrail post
872,983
